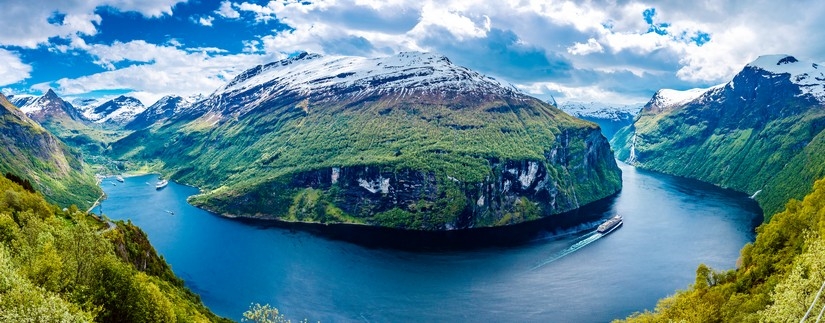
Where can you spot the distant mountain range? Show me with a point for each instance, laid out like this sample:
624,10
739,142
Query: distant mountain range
762,132
610,117
409,141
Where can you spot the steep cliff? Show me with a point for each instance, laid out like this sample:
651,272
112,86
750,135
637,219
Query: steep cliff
409,141
32,153
761,133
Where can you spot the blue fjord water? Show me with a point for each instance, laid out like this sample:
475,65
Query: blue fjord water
555,270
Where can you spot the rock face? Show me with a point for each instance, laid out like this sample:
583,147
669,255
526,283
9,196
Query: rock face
162,110
32,153
762,131
410,141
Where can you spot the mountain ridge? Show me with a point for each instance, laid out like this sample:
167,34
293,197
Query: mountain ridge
448,149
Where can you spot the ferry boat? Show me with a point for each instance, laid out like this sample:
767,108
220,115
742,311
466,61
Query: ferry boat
161,184
119,178
610,225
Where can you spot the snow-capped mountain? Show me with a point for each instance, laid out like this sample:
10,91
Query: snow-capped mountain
22,99
47,107
335,78
757,132
601,110
610,117
162,109
120,110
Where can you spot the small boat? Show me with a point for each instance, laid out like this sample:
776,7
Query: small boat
161,184
610,225
119,178
170,212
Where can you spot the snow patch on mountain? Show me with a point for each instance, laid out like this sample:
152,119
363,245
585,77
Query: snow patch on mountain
810,77
119,110
21,100
601,110
309,74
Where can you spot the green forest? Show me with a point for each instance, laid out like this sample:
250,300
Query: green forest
63,265
776,280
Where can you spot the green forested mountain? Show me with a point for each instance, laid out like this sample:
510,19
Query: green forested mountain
761,132
31,152
65,266
408,141
777,279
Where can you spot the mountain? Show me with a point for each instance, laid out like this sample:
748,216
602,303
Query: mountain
408,141
118,111
610,117
761,133
162,110
21,99
33,154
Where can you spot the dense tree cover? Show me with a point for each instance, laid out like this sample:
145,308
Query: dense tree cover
65,266
777,279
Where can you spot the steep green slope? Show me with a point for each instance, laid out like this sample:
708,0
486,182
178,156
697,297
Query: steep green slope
65,266
777,279
758,133
433,159
34,154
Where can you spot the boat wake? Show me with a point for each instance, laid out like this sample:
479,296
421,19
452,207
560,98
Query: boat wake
586,240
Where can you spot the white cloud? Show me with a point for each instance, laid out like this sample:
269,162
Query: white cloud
591,46
206,21
592,93
26,24
227,10
12,69
161,70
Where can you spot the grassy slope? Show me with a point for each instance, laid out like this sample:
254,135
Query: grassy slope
782,158
65,266
447,136
31,152
777,280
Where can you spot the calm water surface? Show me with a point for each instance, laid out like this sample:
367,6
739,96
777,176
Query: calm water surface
555,271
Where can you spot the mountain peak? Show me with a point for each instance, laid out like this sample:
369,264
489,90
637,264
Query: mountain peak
807,75
51,95
335,77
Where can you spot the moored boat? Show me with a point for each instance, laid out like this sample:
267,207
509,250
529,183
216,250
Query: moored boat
120,178
610,224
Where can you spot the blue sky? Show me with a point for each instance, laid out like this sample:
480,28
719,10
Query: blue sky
611,51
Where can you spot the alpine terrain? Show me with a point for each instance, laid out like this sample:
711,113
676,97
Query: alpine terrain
33,154
760,133
408,141
610,117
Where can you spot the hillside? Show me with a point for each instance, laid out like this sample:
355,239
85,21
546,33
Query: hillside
761,133
410,141
65,266
777,279
32,153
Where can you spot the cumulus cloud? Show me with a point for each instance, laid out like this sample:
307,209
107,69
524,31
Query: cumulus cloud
12,69
227,10
592,50
206,21
29,25
160,70
591,46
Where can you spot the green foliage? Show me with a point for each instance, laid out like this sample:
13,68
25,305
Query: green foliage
265,314
245,162
777,280
781,156
35,156
66,266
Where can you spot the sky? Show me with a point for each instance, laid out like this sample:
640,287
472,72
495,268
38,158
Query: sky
606,51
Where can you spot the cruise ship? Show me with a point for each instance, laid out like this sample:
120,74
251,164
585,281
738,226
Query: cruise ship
162,184
610,225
